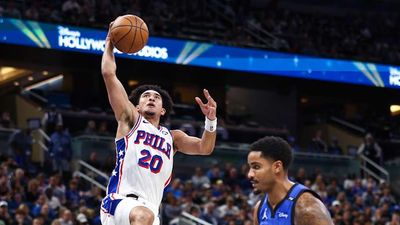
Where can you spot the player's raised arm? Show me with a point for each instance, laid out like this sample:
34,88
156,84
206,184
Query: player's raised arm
204,145
122,107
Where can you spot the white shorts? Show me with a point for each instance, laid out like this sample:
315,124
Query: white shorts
115,209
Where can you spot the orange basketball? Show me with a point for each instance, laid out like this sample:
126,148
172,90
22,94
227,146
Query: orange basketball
129,33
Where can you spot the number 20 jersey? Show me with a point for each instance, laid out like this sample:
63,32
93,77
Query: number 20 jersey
144,161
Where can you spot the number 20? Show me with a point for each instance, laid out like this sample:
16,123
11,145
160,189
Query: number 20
155,161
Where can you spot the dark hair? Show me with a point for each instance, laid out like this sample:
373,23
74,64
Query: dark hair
134,97
274,148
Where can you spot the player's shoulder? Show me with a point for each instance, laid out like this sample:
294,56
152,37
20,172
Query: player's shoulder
307,198
310,210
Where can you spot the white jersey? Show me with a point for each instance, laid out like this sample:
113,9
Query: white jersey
144,160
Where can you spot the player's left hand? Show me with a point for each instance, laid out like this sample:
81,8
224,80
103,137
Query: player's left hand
209,109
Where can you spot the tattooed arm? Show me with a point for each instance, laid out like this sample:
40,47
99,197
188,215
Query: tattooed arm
311,211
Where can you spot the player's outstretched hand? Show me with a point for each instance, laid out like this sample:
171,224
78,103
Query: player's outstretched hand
209,109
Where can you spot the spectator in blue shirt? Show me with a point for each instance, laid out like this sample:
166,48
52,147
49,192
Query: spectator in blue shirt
60,149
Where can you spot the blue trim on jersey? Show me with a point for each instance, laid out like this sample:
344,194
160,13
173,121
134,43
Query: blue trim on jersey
283,213
115,176
109,205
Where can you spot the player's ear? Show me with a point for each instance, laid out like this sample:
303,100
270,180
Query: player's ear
163,111
277,166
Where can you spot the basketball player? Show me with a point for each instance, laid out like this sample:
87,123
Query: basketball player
145,149
285,202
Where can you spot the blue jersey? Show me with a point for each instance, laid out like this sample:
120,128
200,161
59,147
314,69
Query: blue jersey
283,214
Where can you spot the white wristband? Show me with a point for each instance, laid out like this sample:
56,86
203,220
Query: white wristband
209,125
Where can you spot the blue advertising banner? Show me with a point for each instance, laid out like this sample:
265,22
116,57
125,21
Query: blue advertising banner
78,39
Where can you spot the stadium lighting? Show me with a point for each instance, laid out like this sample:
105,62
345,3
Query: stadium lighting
395,110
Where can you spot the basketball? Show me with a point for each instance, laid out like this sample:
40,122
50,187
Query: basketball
129,33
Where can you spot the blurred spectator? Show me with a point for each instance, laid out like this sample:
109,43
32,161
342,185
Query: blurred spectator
232,177
39,221
42,182
21,146
358,203
72,195
82,219
317,144
292,142
4,215
186,203
66,217
5,120
40,202
387,197
333,190
12,10
18,180
53,202
71,7
91,128
21,218
4,185
32,12
56,222
368,195
395,220
349,182
172,209
245,183
50,119
335,148
301,176
103,129
358,188
94,198
46,214
60,149
93,160
218,190
175,188
209,214
15,202
33,191
228,209
58,187
320,188
199,179
371,150
195,211
214,173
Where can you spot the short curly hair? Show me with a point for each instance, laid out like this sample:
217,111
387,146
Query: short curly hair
274,148
134,97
